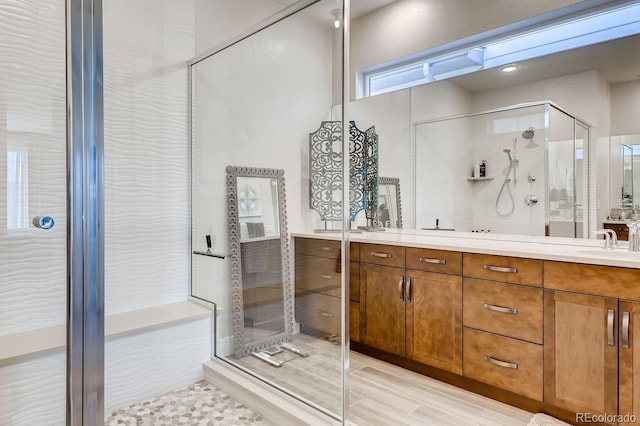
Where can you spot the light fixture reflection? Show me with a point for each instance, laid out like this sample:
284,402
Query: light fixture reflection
509,68
337,17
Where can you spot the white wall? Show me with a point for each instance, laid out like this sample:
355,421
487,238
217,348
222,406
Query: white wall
625,104
33,267
255,105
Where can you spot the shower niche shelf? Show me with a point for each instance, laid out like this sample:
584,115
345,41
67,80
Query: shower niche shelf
480,178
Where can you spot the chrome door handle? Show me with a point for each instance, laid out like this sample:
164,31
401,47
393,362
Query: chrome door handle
625,330
43,222
501,309
501,269
435,261
408,290
401,288
500,363
383,255
610,319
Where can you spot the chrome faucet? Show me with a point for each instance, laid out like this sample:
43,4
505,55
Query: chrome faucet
614,239
634,236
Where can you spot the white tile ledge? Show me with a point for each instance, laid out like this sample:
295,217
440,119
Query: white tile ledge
18,346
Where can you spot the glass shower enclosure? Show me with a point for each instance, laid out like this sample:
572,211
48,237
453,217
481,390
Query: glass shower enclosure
520,169
254,102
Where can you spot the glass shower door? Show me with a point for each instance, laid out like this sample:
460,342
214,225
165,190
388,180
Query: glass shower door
581,202
33,213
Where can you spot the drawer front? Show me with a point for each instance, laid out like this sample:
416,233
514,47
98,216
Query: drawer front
382,254
319,274
318,314
507,309
317,247
515,270
442,261
607,281
506,363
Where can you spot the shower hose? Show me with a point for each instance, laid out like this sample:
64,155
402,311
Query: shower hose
506,184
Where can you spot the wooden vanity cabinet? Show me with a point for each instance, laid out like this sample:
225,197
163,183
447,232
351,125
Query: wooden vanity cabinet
503,323
591,354
318,272
629,359
413,313
581,352
382,308
621,230
434,319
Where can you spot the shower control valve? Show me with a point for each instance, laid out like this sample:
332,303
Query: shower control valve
531,178
531,200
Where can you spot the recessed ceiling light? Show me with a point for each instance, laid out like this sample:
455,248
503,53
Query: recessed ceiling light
509,68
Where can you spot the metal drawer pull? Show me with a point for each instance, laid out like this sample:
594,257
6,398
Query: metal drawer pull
610,318
401,288
380,254
504,310
328,249
500,363
436,261
326,314
326,276
409,289
625,330
501,269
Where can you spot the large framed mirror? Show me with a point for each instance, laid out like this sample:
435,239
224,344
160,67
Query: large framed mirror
389,202
261,286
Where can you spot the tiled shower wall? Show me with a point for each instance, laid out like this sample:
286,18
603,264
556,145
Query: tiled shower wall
146,44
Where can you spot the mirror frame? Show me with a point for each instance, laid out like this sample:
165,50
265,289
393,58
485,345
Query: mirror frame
383,180
242,348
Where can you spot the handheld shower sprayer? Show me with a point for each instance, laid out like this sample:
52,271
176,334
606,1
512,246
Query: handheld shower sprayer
508,152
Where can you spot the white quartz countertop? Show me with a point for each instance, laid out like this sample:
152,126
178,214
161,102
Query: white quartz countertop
546,248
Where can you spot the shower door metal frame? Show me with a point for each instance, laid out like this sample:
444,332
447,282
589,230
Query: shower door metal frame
85,213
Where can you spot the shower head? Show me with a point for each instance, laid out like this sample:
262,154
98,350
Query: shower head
529,133
508,152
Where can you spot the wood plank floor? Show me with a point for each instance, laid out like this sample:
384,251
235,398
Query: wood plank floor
380,393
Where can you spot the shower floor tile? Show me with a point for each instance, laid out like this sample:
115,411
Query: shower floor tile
198,404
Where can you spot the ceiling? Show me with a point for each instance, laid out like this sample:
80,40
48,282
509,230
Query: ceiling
618,61
362,7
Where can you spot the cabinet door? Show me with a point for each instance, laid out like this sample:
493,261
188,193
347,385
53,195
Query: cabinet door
434,319
580,352
629,359
382,308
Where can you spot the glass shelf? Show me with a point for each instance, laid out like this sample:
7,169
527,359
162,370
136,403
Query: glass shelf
480,178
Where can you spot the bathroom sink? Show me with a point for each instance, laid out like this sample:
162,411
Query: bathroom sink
617,253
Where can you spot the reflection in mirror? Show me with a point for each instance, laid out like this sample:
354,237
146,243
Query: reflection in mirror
597,82
490,172
261,283
389,203
627,177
